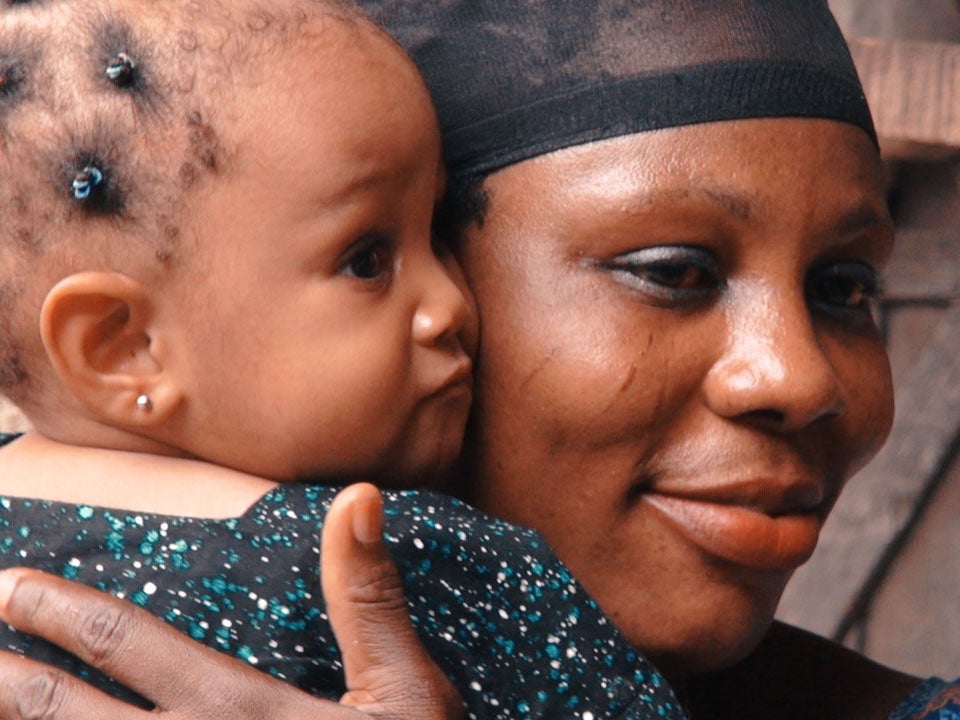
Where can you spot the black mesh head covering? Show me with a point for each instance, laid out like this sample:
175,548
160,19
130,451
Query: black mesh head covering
513,79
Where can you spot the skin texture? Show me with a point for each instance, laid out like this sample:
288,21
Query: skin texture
691,413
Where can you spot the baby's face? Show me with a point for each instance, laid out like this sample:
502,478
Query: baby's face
323,335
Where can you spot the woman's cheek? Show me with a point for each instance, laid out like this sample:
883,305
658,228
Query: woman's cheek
877,421
863,368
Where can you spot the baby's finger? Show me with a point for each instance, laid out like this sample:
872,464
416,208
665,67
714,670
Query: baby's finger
32,691
388,671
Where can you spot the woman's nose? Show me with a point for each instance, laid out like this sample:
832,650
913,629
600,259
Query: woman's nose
773,367
445,308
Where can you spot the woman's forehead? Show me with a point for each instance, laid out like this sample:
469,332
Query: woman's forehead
711,159
751,173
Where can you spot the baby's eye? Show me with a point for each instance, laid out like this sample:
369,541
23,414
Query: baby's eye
848,287
669,273
370,259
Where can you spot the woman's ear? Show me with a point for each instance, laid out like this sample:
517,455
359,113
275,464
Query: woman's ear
99,331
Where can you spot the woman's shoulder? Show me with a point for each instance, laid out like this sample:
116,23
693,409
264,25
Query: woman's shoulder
933,699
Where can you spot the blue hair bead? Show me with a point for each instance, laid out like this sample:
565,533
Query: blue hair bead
120,70
86,181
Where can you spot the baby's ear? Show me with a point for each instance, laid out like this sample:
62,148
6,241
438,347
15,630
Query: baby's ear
99,329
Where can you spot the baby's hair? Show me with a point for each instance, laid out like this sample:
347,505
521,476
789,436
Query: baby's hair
11,78
111,114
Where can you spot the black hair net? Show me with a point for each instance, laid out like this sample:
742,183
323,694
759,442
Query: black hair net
513,79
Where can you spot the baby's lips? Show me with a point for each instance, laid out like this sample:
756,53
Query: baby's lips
461,378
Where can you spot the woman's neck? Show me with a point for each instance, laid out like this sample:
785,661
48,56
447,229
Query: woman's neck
795,675
35,466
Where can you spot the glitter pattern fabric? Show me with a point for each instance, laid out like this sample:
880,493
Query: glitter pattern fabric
496,609
934,699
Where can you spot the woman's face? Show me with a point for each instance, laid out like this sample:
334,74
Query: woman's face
679,365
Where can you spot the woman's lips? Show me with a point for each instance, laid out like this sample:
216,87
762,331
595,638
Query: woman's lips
741,535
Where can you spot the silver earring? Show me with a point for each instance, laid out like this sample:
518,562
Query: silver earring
144,404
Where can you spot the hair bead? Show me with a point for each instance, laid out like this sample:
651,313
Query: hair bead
86,181
121,70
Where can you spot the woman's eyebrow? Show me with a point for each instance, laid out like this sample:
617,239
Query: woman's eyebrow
732,204
735,205
729,203
864,216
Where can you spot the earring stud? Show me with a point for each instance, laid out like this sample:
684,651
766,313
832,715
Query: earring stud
144,404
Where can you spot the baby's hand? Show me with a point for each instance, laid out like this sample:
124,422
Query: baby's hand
188,681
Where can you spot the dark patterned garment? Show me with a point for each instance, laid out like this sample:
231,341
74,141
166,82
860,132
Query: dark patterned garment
934,699
500,614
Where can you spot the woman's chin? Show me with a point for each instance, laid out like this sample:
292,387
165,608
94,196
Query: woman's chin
713,650
708,633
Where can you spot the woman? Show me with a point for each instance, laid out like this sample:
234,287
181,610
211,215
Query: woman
672,216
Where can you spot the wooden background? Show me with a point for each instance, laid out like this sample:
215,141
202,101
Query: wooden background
886,577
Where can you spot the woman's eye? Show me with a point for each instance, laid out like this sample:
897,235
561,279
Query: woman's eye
370,259
673,275
669,273
845,287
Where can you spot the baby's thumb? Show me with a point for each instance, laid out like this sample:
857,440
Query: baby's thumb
388,672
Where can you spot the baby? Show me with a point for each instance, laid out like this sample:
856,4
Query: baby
220,224
218,278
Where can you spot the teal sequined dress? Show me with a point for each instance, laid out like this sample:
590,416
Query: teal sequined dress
500,614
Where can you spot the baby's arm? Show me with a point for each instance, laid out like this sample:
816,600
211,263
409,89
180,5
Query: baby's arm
188,681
